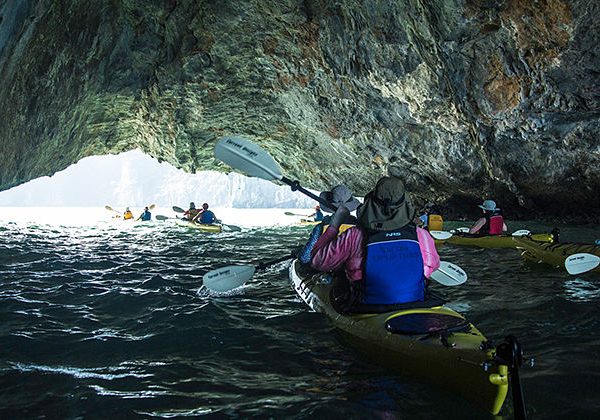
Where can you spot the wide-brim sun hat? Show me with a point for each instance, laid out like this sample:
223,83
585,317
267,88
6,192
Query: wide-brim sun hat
488,205
387,207
339,195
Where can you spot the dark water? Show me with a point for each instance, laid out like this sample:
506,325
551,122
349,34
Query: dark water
100,321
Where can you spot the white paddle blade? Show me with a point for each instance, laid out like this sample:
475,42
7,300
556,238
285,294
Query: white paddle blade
247,158
460,229
449,274
227,278
441,235
580,263
522,232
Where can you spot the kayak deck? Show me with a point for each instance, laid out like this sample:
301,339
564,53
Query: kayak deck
452,359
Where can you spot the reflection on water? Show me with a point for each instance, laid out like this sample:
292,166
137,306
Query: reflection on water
102,320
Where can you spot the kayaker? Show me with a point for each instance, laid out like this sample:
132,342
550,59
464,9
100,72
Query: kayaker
317,215
127,215
146,215
492,222
340,195
431,219
205,216
191,213
385,258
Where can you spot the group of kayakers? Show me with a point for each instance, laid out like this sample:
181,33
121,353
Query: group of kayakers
202,215
128,214
382,257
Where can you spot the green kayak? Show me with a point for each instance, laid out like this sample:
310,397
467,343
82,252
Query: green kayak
430,343
553,254
490,241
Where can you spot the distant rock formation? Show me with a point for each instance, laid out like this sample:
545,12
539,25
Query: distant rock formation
469,99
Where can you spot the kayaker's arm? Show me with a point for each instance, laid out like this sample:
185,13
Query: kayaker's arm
332,252
477,226
431,258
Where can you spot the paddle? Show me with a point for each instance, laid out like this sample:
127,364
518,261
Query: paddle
254,161
522,232
229,228
227,278
162,218
109,208
449,274
440,235
289,213
580,263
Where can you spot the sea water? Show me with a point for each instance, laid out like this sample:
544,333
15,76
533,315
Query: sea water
101,317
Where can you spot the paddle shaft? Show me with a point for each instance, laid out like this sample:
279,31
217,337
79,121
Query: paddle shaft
295,185
266,264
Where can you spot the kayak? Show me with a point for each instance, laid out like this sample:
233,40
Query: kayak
306,222
212,228
432,342
551,253
491,241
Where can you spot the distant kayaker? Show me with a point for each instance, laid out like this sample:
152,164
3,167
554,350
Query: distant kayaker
205,216
127,215
317,215
340,195
192,212
492,222
431,219
386,258
146,215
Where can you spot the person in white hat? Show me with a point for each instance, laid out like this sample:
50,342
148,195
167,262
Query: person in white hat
492,222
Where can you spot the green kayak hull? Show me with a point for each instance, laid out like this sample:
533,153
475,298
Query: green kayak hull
452,360
491,241
200,226
551,253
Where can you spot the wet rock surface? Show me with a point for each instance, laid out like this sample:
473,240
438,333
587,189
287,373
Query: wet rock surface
466,99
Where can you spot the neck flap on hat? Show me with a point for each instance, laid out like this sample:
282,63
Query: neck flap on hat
377,216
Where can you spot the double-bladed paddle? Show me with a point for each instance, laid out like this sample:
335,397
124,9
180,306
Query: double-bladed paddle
254,161
228,278
582,262
230,228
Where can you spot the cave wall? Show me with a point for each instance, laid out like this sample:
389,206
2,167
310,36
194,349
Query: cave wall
466,99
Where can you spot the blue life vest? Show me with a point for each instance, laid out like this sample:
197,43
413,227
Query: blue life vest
207,217
318,216
394,268
146,215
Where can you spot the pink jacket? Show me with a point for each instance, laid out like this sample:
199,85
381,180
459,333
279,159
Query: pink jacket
332,252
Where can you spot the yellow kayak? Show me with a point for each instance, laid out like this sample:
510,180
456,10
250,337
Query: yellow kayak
491,241
551,253
430,342
212,228
306,222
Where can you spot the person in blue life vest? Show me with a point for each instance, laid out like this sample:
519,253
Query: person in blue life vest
384,259
205,216
338,196
318,214
146,215
492,222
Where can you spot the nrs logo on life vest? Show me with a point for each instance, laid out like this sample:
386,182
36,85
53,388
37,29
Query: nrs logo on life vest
393,234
